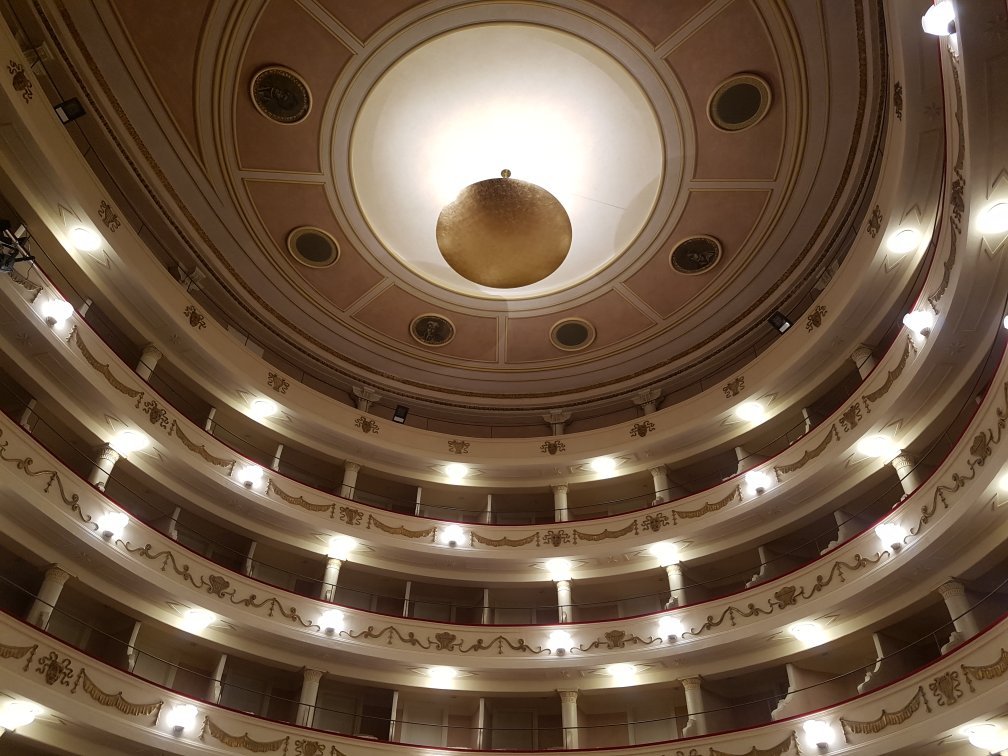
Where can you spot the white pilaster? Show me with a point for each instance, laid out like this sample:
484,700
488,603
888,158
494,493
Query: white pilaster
959,609
862,357
309,697
569,717
330,578
148,361
560,502
350,470
563,588
695,709
52,586
102,469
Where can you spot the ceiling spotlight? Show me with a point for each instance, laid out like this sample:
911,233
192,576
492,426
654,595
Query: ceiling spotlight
112,524
17,713
751,412
757,482
400,414
84,239
331,621
249,475
903,241
56,311
878,446
559,569
455,471
603,465
340,547
993,219
622,673
986,736
451,535
919,321
128,441
779,321
808,633
197,619
262,408
69,110
670,627
441,676
665,552
1003,483
559,641
181,717
939,19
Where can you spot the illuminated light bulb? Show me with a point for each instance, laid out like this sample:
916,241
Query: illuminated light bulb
18,713
819,733
623,674
891,534
262,408
903,241
112,524
603,465
331,621
197,619
1005,321
340,547
56,311
993,219
456,471
180,717
559,568
451,535
559,641
939,19
986,736
808,633
249,475
129,441
751,412
757,482
670,627
878,446
665,552
1003,483
442,676
84,239
919,321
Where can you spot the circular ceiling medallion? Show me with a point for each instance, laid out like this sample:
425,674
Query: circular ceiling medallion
739,102
312,247
504,233
432,330
572,334
507,96
281,95
697,254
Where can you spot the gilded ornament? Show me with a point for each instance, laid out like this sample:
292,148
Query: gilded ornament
350,515
850,417
115,700
815,318
54,669
242,741
300,501
552,447
734,388
366,424
196,319
791,742
946,688
108,217
898,99
103,368
808,456
400,530
641,429
887,719
19,652
875,222
891,377
986,671
20,80
277,382
655,522
458,447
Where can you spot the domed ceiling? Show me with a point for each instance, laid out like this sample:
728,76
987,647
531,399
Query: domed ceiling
707,155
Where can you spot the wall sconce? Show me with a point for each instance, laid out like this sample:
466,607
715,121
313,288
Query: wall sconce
331,621
671,628
249,475
757,482
891,534
17,713
818,733
56,311
129,441
451,535
559,569
180,717
261,408
920,322
197,619
340,547
559,641
112,524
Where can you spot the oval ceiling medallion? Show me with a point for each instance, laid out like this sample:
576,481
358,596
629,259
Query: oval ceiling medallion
698,254
739,102
432,330
504,233
572,334
312,247
281,95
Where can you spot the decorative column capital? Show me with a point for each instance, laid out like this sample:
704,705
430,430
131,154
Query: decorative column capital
150,350
351,467
107,454
560,488
556,419
861,353
562,584
568,696
903,462
647,400
312,675
691,683
658,470
674,570
56,574
364,397
951,589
